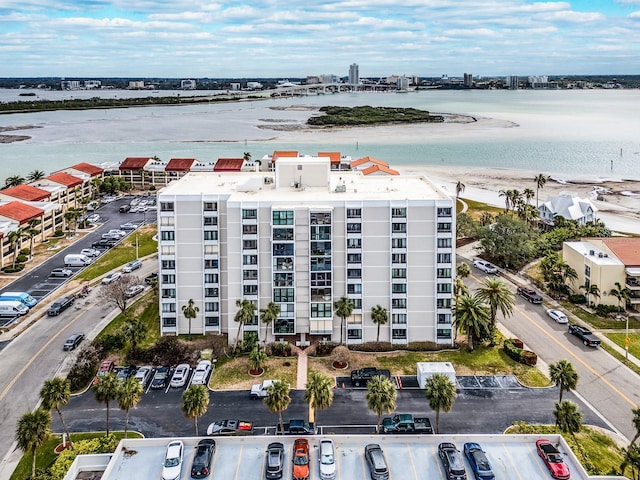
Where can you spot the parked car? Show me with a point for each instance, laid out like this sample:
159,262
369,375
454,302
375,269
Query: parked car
131,266
61,272
59,306
230,426
121,233
104,368
143,375
152,277
485,266
202,458
124,208
558,316
90,252
104,244
133,290
451,461
552,459
180,375
478,461
274,461
327,459
300,459
172,466
529,294
378,468
161,378
201,373
128,226
585,335
73,341
111,277
123,373
93,218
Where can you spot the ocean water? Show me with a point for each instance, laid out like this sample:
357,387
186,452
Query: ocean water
564,132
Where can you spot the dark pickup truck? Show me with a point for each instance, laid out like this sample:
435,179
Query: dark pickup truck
297,427
363,375
588,338
529,294
406,423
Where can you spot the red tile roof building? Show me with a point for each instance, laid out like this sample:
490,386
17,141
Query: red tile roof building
27,193
379,169
180,164
284,153
627,250
363,160
87,168
334,157
20,212
229,165
134,163
65,179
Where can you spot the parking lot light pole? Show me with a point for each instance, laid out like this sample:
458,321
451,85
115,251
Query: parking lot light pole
627,341
137,256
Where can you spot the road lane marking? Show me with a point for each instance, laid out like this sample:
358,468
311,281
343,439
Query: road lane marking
33,359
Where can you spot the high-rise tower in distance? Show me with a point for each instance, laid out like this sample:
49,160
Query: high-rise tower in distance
354,74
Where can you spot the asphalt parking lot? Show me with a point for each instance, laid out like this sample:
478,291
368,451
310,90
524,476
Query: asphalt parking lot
410,457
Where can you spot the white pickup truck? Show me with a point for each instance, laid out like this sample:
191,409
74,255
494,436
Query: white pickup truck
260,390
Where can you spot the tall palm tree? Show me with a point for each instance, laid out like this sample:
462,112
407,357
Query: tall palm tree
592,289
636,425
568,417
507,199
496,293
622,294
472,316
32,432
32,232
195,401
129,394
441,393
14,181
278,399
15,241
35,175
190,311
319,391
528,194
380,316
540,180
245,314
106,390
381,397
564,376
344,308
135,331
269,315
56,393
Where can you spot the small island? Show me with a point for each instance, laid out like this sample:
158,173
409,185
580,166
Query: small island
366,115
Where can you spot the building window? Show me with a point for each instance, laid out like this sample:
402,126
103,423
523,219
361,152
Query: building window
354,243
168,264
444,288
320,264
167,221
210,292
354,212
283,249
320,279
168,308
444,242
444,211
399,334
280,234
444,273
249,259
249,275
321,294
321,232
444,258
169,322
211,321
354,227
320,218
210,278
168,293
249,214
443,333
398,273
168,279
444,318
399,227
283,295
320,249
321,310
282,217
210,263
249,244
354,273
211,235
398,303
357,303
587,270
167,235
399,258
354,334
249,229
444,227
354,258
399,318
399,212
250,289
211,221
166,206
443,303
354,288
283,263
210,206
398,243
283,279
211,306
398,288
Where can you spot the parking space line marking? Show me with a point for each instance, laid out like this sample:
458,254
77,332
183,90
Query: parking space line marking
239,457
513,464
33,358
578,359
413,466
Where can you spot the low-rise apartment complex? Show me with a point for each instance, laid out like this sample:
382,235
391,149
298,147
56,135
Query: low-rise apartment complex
303,236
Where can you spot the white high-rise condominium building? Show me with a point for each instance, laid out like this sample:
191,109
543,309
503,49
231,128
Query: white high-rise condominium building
303,237
354,74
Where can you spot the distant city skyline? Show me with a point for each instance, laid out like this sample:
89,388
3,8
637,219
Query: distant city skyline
194,39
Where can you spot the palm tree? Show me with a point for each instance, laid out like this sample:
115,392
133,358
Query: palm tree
269,315
56,393
473,316
257,358
15,241
245,314
32,432
564,376
507,199
636,424
344,307
129,394
459,189
622,294
568,418
589,290
190,311
14,181
135,331
540,180
195,401
32,232
106,390
498,296
631,459
35,175
380,316
319,391
381,397
441,393
486,219
528,194
278,399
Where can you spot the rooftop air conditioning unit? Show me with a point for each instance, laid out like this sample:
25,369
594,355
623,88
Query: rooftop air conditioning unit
591,252
600,255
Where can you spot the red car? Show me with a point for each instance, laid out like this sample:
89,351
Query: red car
105,367
552,459
300,459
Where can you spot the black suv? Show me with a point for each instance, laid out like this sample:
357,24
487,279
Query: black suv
73,341
59,306
378,467
451,462
275,461
104,244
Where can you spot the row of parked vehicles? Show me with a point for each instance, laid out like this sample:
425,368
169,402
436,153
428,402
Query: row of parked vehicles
158,377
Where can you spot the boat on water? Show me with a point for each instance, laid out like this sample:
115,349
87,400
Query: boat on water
27,94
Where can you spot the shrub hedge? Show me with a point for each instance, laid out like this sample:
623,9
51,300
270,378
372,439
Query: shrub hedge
513,348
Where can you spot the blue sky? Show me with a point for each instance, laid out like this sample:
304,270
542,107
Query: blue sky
296,38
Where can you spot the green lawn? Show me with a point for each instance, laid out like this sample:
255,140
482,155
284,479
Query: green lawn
123,253
599,322
45,456
146,309
234,373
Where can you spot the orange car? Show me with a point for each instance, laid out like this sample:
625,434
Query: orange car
300,459
105,367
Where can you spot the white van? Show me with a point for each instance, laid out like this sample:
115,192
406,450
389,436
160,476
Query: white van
13,309
76,260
